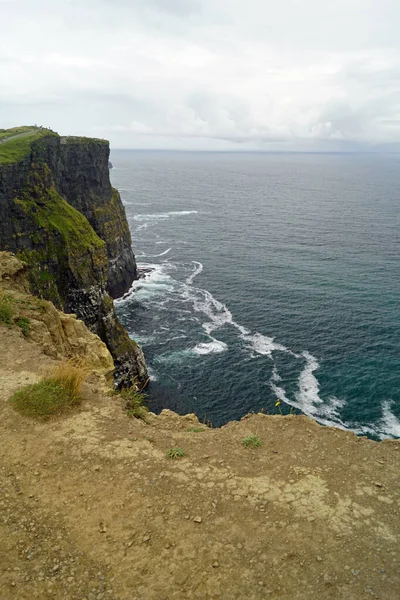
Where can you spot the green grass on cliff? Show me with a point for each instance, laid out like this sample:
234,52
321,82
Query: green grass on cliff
63,234
16,144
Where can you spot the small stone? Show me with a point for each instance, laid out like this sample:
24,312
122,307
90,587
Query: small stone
197,519
319,558
378,484
146,538
36,473
240,546
216,564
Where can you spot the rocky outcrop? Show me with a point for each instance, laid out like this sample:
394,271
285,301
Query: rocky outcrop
59,213
59,335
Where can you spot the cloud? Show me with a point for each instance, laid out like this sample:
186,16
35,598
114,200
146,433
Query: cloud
205,73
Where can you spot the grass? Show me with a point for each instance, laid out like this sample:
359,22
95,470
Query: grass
15,149
134,403
53,395
252,441
6,309
24,324
197,429
175,453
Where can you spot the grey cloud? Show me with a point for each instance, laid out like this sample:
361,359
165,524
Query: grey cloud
205,73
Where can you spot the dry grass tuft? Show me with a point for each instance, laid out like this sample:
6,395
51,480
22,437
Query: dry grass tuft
70,375
53,395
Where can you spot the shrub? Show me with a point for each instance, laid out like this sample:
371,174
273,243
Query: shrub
252,441
175,453
52,395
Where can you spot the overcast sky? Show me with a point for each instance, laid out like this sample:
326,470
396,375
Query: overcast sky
205,74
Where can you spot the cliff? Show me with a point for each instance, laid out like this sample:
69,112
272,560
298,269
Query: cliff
92,506
59,213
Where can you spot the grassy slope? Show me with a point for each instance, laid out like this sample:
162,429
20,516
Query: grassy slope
15,143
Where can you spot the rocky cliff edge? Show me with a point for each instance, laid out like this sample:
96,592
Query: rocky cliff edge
61,216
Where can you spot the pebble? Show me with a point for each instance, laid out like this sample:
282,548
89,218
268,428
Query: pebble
146,538
197,519
215,564
319,558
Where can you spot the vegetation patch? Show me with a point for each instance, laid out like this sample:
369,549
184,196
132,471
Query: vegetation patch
24,324
197,429
252,441
64,238
175,453
134,403
53,395
6,309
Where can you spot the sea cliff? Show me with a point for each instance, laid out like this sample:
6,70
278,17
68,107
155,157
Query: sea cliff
60,214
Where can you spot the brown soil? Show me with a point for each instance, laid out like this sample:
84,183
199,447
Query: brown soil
91,508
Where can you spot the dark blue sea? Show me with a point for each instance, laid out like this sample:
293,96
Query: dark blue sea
274,276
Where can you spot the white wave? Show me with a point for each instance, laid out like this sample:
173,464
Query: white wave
389,425
144,226
162,253
198,268
263,344
214,347
166,215
152,374
154,283
308,394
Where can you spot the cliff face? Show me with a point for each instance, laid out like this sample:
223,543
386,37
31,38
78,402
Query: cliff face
60,214
83,178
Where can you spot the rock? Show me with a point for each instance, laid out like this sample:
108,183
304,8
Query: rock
146,538
197,519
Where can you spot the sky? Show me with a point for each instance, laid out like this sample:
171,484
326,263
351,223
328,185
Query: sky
272,75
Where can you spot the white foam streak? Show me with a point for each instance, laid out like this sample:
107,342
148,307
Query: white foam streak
162,253
198,268
166,215
213,347
262,344
154,283
308,394
389,424
144,226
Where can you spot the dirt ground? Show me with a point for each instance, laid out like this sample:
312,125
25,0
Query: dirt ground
91,507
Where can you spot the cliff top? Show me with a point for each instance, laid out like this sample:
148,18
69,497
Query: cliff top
92,507
16,143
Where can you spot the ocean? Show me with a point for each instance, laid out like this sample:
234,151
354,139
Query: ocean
274,283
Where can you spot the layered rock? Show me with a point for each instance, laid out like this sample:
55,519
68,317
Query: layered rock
59,213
